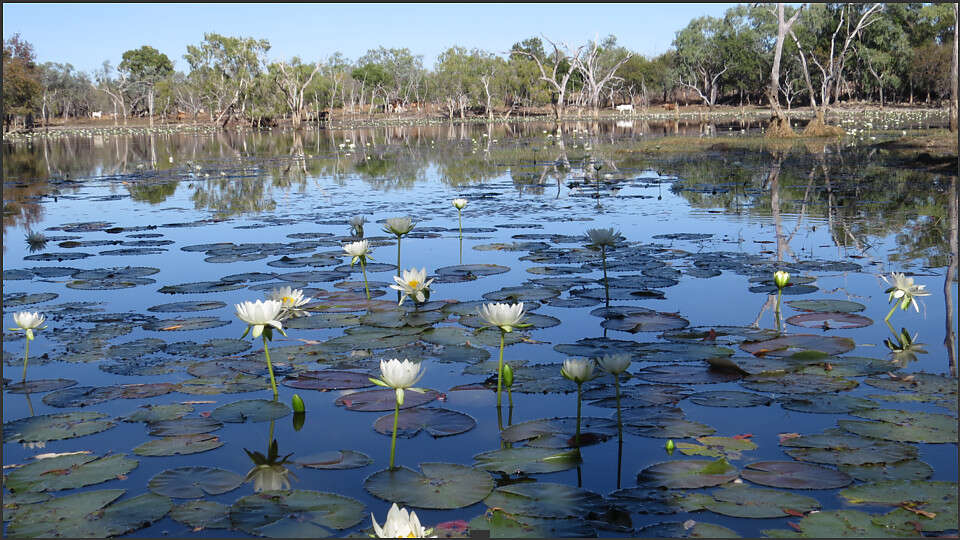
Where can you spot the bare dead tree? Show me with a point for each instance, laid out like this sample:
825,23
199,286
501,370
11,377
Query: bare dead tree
557,80
780,124
291,83
953,70
596,75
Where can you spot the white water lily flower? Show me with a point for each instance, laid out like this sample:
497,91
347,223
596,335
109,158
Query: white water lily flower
28,322
413,284
459,204
400,524
504,316
781,278
291,300
614,364
357,250
398,226
577,370
269,477
903,289
260,314
603,237
399,375
356,225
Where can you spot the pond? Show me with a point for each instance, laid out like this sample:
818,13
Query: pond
741,412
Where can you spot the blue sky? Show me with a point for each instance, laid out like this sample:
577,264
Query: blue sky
87,34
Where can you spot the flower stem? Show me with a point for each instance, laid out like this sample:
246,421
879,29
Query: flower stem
616,382
500,371
393,440
398,262
779,294
576,439
363,268
890,314
26,353
273,382
606,287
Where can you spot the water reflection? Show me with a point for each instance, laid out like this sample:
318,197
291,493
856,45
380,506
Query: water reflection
269,471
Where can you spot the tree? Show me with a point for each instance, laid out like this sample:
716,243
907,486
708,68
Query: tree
21,84
144,68
598,65
954,104
398,72
293,79
780,124
700,59
560,71
115,88
882,50
225,68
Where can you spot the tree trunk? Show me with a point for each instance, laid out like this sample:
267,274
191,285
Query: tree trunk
150,98
954,104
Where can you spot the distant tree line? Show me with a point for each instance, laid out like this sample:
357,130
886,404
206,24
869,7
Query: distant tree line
826,53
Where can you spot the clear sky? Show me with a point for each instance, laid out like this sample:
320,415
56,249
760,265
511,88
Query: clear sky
87,34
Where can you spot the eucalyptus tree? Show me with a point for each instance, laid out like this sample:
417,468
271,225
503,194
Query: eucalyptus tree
398,72
560,64
520,77
598,65
144,68
700,58
779,124
292,79
225,67
881,53
116,88
21,84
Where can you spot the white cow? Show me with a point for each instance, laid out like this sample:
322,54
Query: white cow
97,114
628,107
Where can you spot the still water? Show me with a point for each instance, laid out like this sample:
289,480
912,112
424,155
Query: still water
151,239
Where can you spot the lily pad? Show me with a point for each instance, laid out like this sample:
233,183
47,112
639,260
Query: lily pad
906,426
827,305
52,427
318,321
25,299
528,460
825,403
202,287
840,524
937,499
39,385
792,344
796,383
910,469
295,513
68,472
545,500
646,322
835,447
384,400
729,398
177,307
689,473
560,432
202,515
824,320
685,374
183,426
250,410
468,272
336,459
86,515
794,475
435,421
440,486
194,482
179,445
191,323
500,524
697,529
82,396
328,379
158,413
743,501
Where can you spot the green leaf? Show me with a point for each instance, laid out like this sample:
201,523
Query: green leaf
440,486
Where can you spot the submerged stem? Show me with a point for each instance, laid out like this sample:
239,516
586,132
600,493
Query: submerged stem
606,286
500,371
273,382
363,268
393,440
26,355
576,439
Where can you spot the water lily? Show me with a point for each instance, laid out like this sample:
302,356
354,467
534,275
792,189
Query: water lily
505,317
269,472
356,226
262,317
400,376
459,204
614,364
27,322
579,371
291,300
398,226
603,238
400,524
360,252
413,284
903,288
781,278
36,240
904,348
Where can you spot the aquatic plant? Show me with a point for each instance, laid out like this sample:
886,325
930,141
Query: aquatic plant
269,472
579,371
781,279
414,284
291,300
262,317
905,291
399,227
602,239
400,376
27,322
400,524
506,317
356,226
360,252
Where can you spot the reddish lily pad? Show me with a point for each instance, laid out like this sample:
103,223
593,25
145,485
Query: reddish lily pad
646,322
792,344
328,379
384,400
435,421
830,320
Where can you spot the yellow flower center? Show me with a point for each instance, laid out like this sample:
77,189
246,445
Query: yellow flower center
413,283
287,300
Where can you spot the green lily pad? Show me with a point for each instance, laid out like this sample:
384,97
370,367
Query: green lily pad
384,400
688,473
840,524
202,515
292,513
500,524
435,421
560,432
726,447
528,460
635,394
646,322
328,379
521,294
937,498
796,383
792,344
86,515
213,348
13,502
187,306
794,475
729,398
194,482
902,518
666,427
719,335
905,426
179,445
183,325
825,404
68,472
39,385
251,410
835,447
826,306
685,374
183,426
545,500
440,486
202,287
743,501
446,335
926,384
25,299
318,321
468,272
82,396
52,427
910,469
679,352
826,320
676,529
235,384
336,459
